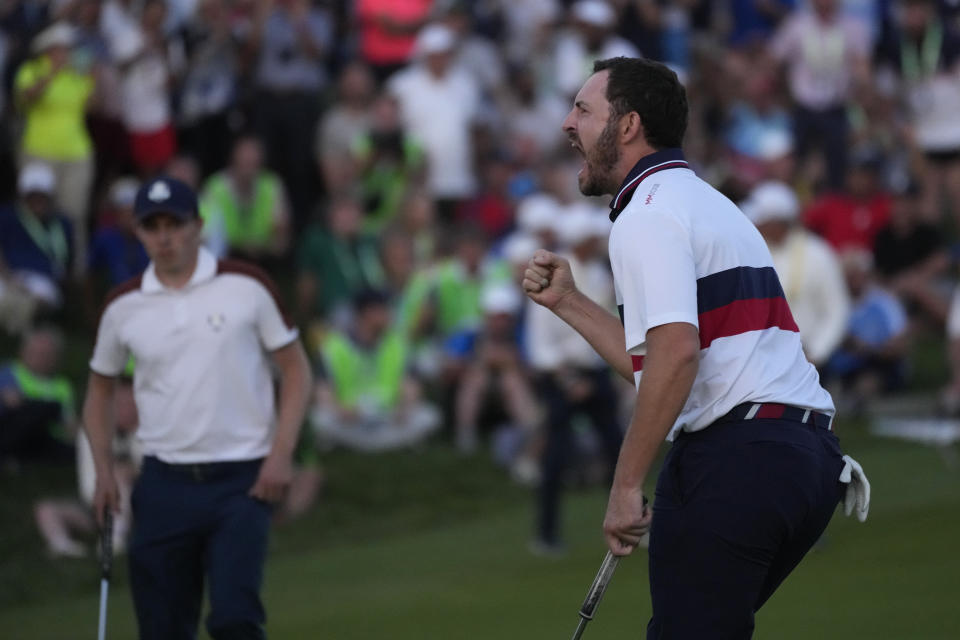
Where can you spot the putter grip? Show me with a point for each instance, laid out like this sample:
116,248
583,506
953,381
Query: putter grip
106,544
599,586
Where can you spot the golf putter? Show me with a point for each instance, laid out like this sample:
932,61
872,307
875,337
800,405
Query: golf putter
596,592
106,564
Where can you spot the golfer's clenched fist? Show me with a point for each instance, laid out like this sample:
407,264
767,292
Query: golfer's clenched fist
548,279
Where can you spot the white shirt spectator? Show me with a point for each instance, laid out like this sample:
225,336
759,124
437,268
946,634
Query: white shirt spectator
813,282
573,62
440,112
821,56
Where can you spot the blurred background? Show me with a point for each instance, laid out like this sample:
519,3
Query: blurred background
393,164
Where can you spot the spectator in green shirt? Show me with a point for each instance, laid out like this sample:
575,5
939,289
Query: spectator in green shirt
336,261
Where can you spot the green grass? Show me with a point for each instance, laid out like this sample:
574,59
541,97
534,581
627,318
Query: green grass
428,545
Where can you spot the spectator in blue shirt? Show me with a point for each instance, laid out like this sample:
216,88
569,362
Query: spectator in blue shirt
115,251
35,240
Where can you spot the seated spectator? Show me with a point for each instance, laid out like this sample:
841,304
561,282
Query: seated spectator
335,264
753,119
347,120
368,399
58,518
809,271
53,91
851,218
244,207
872,357
37,408
35,240
911,257
115,251
571,379
496,376
388,162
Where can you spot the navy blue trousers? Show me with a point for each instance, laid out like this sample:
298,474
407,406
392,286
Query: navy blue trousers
737,506
195,524
601,408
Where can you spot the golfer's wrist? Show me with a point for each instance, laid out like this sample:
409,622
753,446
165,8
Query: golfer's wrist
569,305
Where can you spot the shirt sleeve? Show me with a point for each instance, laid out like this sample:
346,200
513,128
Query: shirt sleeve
273,328
652,258
110,355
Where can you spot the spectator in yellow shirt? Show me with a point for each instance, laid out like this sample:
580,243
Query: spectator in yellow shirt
52,91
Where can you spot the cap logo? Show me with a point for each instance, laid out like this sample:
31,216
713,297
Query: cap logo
159,192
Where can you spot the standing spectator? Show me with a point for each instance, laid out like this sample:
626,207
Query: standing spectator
753,22
35,239
591,37
244,207
851,218
37,408
492,208
53,92
438,106
292,39
530,114
335,264
339,128
209,90
808,269
571,378
368,398
217,452
388,31
921,55
145,89
911,256
826,55
529,27
475,54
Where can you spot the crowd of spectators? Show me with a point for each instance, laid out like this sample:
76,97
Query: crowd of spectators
394,163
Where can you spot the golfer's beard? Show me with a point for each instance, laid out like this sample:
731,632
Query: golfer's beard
600,163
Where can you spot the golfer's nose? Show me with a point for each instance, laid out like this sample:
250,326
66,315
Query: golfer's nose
568,123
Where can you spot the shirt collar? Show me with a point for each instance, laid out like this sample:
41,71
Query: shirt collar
205,270
648,165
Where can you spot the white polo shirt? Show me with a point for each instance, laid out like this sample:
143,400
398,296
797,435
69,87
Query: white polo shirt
202,381
682,252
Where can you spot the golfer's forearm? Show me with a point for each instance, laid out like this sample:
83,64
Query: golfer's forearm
668,376
295,385
600,328
98,422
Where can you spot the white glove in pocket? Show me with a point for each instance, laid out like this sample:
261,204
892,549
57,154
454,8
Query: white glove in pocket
857,497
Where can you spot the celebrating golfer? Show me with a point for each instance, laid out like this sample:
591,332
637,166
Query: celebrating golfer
754,473
217,454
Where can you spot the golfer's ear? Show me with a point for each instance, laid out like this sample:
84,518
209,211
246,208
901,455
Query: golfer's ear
631,127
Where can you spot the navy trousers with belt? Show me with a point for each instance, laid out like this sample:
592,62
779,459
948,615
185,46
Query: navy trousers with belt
737,506
195,524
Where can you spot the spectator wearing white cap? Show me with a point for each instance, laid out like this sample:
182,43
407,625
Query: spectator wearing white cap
496,375
116,255
52,92
590,37
36,241
809,270
439,105
571,378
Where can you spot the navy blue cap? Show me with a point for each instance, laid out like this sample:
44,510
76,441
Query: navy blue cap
165,195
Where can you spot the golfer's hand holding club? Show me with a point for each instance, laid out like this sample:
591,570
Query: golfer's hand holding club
106,496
